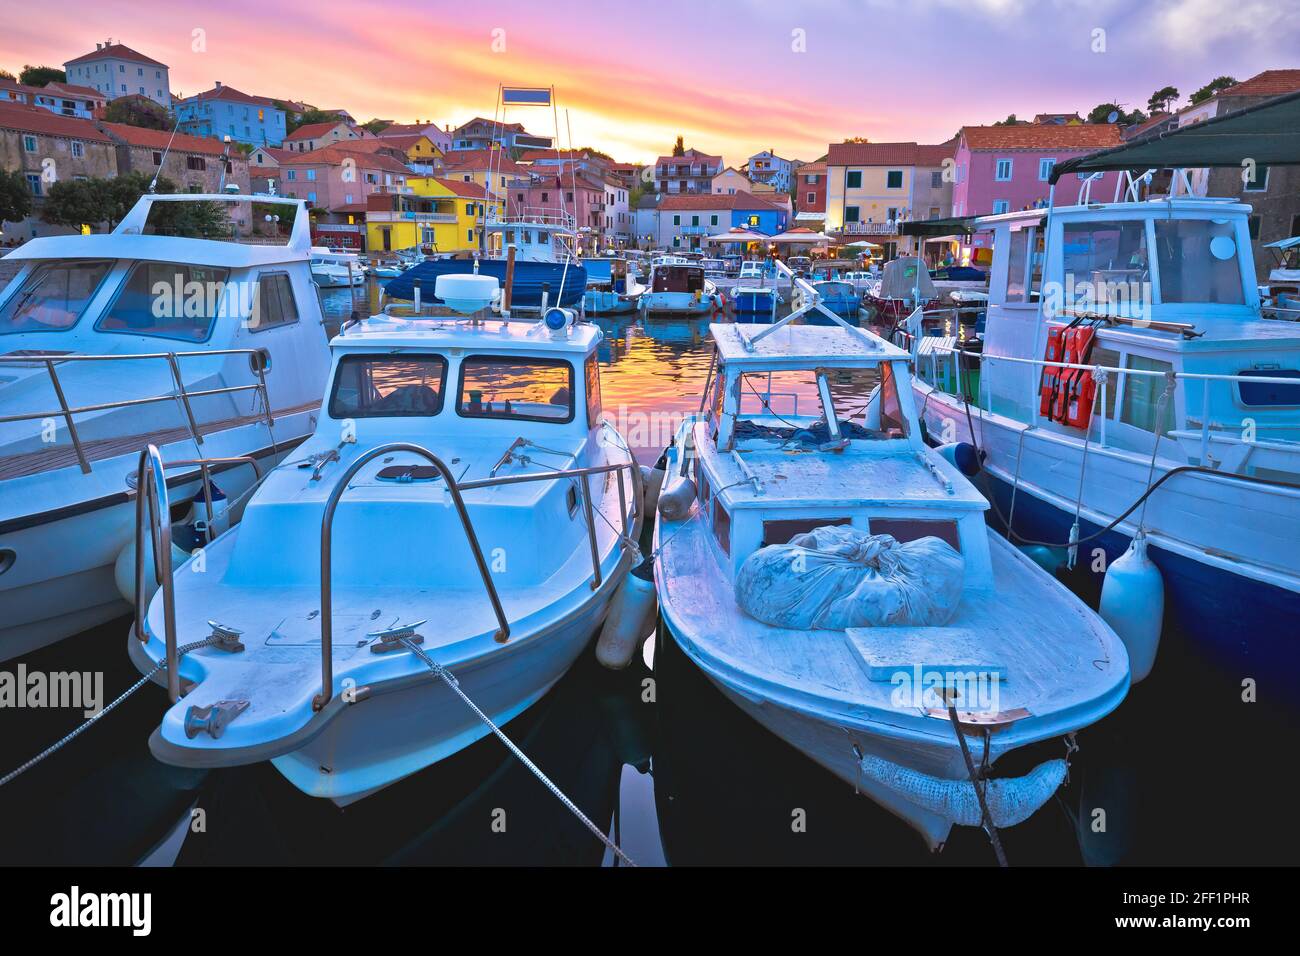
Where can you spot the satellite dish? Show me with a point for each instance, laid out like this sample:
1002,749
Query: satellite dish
1113,117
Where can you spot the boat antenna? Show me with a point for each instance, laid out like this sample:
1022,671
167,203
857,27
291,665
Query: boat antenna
153,185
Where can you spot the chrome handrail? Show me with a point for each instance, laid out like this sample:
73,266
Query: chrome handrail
181,394
455,489
151,491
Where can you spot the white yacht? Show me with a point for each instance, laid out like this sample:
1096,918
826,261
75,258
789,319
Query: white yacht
460,494
835,578
204,348
333,269
677,286
1127,386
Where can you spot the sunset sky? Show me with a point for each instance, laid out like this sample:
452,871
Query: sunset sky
725,74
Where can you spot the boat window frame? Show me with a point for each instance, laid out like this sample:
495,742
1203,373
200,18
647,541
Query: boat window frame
126,279
293,297
355,357
45,263
518,357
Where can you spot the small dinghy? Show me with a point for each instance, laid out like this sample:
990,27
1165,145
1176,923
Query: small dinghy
835,578
460,495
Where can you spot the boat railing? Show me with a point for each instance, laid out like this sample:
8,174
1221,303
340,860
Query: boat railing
151,499
1204,427
455,489
258,361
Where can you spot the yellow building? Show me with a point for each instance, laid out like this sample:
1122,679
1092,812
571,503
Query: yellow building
440,215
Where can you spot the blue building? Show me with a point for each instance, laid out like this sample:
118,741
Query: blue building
684,221
225,111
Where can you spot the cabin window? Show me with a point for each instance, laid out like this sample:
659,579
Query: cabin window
388,386
592,376
1016,265
53,297
780,532
1142,395
911,529
1197,259
1258,394
170,300
1105,262
722,526
519,388
275,304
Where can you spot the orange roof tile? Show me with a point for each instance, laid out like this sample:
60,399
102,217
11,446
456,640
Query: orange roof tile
1268,83
34,119
736,200
159,139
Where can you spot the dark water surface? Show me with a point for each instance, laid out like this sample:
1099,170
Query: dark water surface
1184,772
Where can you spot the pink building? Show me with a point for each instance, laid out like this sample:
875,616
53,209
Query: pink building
1007,168
564,189
338,180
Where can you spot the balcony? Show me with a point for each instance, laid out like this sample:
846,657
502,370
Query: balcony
869,228
694,230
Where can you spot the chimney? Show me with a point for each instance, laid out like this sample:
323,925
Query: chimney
99,46
217,84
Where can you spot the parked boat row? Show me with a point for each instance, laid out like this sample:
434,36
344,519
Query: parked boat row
431,509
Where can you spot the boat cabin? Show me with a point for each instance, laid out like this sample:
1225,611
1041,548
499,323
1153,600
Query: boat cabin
676,274
180,274
807,426
1165,285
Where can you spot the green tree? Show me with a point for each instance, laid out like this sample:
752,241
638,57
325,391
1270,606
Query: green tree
1009,121
122,192
1162,99
139,111
41,75
1216,85
679,147
76,202
1100,115
307,118
6,75
376,126
15,197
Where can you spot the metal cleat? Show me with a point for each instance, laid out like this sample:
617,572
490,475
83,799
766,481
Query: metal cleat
226,638
213,718
391,638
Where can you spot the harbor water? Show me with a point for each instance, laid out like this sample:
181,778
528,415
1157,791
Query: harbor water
1183,773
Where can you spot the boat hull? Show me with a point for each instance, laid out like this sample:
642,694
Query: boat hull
564,285
76,546
676,303
393,735
1234,613
605,302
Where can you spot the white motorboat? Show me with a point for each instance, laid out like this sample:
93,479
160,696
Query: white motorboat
620,296
1172,420
333,269
460,493
202,347
810,436
678,287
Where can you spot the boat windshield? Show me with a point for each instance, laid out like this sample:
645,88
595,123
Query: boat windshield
388,386
514,387
53,296
1197,261
171,300
781,403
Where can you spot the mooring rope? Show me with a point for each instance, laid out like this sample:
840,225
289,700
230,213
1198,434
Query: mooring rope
68,738
450,680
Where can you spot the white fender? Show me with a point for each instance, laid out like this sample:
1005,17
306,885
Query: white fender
676,499
628,623
652,479
1133,604
1011,800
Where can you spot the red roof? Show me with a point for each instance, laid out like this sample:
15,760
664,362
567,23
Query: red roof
273,153
1268,83
313,130
489,123
689,157
1087,136
887,154
482,159
33,119
158,139
335,155
118,52
461,188
230,93
407,129
736,200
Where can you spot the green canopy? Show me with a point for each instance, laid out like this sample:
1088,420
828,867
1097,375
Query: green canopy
937,227
1268,134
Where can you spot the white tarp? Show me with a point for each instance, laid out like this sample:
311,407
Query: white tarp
838,577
